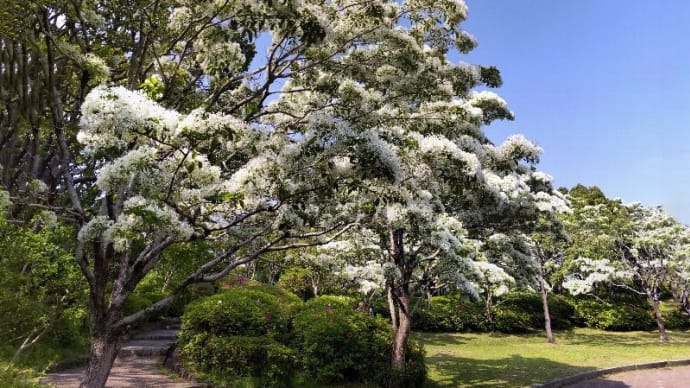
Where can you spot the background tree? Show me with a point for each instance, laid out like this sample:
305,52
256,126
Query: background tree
42,287
643,257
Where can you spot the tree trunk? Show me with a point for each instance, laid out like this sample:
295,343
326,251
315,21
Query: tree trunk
104,348
403,329
545,303
654,299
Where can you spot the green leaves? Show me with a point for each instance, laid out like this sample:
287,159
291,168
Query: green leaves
153,87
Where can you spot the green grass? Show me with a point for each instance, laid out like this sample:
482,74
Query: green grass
500,360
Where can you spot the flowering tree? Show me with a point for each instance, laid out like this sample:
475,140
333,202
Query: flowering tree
547,246
195,156
678,282
643,261
421,174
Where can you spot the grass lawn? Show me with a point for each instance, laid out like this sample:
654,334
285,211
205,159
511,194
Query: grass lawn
502,360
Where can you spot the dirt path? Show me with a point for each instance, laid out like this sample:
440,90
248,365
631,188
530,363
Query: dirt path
139,364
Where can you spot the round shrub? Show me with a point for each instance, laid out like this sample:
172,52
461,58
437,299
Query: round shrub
674,318
472,317
241,334
223,360
437,314
443,313
252,311
338,344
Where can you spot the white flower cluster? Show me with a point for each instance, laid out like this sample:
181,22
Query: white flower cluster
437,144
517,147
124,169
219,57
116,118
369,277
490,278
596,271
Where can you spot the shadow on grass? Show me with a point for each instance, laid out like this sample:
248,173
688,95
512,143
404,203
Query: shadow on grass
513,371
615,338
441,339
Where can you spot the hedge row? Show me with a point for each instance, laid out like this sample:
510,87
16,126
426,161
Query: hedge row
521,312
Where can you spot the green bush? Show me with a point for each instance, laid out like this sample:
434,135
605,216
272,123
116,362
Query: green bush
337,344
259,361
240,335
297,281
516,312
674,318
473,317
258,335
442,313
17,378
614,315
252,311
530,303
507,320
437,314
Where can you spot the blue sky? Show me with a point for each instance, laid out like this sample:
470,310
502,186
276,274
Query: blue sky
602,86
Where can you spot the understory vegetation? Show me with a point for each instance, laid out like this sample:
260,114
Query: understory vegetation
259,335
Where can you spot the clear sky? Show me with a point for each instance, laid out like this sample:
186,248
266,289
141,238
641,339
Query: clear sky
602,85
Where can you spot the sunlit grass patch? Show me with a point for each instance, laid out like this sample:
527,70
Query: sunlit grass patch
501,360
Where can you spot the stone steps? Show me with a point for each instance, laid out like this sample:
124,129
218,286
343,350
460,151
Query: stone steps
150,343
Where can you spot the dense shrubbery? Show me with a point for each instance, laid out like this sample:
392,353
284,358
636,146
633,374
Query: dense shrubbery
337,344
530,304
259,335
514,313
674,318
443,313
620,316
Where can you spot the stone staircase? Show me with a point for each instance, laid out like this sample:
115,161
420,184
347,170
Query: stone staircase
150,343
139,364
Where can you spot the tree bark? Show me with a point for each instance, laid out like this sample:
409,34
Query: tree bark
545,303
402,332
104,348
654,300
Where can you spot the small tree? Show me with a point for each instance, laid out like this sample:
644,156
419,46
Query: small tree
642,262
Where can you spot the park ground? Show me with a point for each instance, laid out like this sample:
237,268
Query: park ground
501,360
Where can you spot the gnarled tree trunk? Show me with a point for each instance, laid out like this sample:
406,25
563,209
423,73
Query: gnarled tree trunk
402,325
105,344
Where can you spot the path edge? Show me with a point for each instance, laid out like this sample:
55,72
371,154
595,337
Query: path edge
573,379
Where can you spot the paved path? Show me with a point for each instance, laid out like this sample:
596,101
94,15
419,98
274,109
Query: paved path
138,364
673,377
